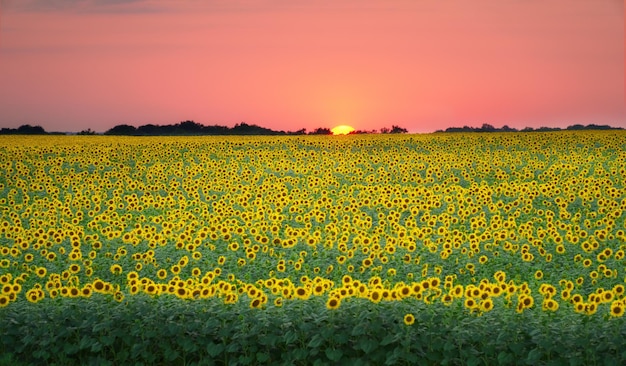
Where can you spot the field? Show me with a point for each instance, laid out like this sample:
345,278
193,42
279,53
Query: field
432,249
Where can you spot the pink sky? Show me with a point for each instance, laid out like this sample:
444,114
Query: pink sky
290,64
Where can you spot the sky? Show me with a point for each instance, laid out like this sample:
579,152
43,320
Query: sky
69,65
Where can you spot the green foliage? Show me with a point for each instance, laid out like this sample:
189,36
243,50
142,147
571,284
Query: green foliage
145,330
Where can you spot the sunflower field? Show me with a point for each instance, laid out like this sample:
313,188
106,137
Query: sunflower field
480,248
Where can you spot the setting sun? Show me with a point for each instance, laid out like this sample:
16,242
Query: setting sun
342,130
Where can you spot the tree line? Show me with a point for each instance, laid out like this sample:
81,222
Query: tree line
191,128
489,128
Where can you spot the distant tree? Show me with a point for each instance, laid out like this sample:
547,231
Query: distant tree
30,130
460,129
362,132
301,131
122,130
247,129
398,129
599,127
215,130
506,128
547,129
528,129
486,127
149,130
189,127
385,130
87,132
321,131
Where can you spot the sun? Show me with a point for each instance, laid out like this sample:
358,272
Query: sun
342,130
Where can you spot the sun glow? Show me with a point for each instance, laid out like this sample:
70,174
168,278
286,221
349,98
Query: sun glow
342,130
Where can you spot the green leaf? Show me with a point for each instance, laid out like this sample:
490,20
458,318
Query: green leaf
517,348
214,349
85,342
333,354
300,354
388,339
171,355
262,357
290,337
448,346
533,356
473,361
505,358
316,341
96,347
70,348
368,345
359,329
39,354
245,359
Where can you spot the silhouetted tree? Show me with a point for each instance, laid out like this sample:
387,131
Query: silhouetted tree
30,130
122,130
190,127
486,127
398,129
547,129
460,129
148,130
87,132
321,131
246,129
301,131
361,132
592,127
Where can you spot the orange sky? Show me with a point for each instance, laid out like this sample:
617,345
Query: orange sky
291,64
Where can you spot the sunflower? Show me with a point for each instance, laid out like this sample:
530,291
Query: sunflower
278,302
32,296
591,308
375,295
333,303
162,273
405,291
617,309
116,269
74,268
41,272
98,285
318,289
409,319
302,293
549,305
526,301
486,305
182,292
152,289
470,303
73,292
